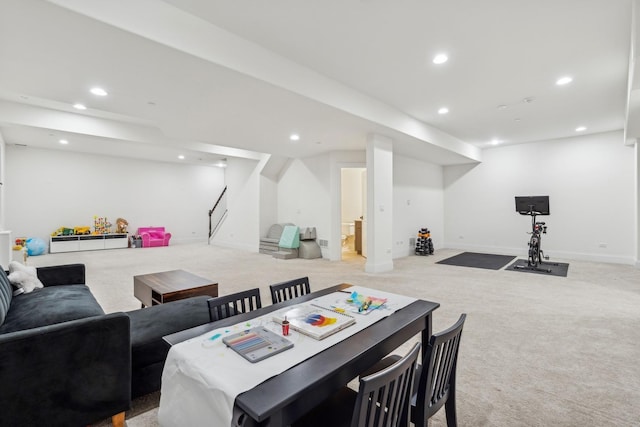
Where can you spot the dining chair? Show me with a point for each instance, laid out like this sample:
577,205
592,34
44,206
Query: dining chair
290,289
382,399
435,385
230,305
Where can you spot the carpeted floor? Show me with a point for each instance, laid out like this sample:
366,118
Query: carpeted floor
536,350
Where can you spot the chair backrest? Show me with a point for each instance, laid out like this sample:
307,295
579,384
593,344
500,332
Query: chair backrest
230,305
290,289
438,376
384,397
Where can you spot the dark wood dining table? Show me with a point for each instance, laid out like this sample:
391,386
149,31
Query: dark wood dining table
282,399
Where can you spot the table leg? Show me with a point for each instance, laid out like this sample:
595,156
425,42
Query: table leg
241,419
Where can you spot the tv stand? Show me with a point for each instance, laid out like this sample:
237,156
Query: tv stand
88,242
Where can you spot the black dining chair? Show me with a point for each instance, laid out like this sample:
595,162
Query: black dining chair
230,305
382,400
290,289
435,384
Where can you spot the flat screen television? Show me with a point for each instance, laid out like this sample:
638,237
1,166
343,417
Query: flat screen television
526,205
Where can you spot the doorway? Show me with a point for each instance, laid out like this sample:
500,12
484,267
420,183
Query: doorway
353,204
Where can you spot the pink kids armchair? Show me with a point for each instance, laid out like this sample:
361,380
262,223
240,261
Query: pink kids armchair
153,236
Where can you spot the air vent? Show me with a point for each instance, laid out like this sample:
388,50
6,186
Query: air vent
323,243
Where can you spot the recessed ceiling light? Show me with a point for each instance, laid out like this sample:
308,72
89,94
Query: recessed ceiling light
440,58
495,141
79,106
294,137
181,157
63,142
564,80
581,129
443,110
98,91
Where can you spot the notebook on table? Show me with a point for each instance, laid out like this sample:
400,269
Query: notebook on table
257,343
315,321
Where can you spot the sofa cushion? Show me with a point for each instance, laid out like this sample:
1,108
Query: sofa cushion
50,305
6,293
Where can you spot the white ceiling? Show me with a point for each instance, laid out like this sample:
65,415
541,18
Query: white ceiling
212,78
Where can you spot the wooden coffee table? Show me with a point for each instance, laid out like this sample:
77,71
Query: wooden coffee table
158,288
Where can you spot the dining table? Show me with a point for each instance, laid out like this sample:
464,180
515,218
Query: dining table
284,397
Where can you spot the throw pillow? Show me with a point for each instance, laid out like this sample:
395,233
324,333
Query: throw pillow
24,277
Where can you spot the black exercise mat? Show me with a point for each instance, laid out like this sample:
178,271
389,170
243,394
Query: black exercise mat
548,268
472,259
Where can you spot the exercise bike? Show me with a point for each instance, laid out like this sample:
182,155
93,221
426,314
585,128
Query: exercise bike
536,254
533,206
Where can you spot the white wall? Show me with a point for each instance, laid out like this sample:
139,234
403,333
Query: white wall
48,189
268,204
303,187
590,182
241,228
418,202
304,197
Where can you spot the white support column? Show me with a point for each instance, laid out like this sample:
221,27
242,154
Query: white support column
379,215
3,162
637,205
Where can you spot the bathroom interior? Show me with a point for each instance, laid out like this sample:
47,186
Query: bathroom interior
353,207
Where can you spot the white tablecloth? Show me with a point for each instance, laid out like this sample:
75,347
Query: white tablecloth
202,377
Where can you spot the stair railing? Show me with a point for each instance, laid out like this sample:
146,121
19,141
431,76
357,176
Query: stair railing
220,211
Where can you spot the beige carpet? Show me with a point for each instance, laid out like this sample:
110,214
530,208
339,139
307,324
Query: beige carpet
536,350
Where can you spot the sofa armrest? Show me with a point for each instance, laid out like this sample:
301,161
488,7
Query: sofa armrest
69,274
145,238
71,373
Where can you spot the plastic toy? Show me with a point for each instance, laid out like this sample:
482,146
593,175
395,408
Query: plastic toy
82,230
35,246
101,225
63,231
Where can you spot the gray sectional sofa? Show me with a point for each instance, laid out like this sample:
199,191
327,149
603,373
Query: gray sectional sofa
64,362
